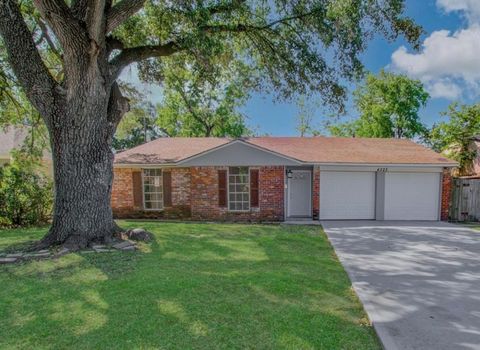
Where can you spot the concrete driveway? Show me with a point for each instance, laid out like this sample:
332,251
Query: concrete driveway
419,281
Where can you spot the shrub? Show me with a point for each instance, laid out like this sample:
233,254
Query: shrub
26,195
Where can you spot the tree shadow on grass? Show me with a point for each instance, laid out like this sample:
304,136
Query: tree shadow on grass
196,286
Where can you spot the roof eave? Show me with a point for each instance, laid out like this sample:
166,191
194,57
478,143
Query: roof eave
179,164
443,165
143,165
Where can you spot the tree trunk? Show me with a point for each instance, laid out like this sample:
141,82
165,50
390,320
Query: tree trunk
83,171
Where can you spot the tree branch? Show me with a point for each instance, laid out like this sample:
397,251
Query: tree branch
79,9
96,21
195,116
114,44
66,27
118,105
247,27
225,7
47,38
139,53
25,59
120,12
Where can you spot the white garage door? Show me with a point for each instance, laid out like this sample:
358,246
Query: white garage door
347,195
412,196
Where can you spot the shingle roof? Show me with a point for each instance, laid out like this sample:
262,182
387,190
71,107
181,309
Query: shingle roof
11,138
306,149
351,150
168,150
14,138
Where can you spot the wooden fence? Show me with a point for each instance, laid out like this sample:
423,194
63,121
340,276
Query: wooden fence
465,201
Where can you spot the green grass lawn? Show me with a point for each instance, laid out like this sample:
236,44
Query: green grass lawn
197,286
473,225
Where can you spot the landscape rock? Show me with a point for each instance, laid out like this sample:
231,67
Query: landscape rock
129,248
123,245
139,234
99,246
63,251
14,255
102,250
38,255
7,260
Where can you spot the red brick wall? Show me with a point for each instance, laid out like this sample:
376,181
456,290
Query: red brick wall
195,195
122,189
122,196
446,194
204,192
180,186
316,193
204,196
272,192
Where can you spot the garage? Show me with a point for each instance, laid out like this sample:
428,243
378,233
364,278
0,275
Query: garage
412,196
348,195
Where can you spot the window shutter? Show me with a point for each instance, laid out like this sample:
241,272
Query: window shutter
137,189
254,187
167,188
222,188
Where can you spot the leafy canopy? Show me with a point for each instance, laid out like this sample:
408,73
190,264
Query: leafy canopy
288,44
197,103
277,46
137,126
454,137
388,105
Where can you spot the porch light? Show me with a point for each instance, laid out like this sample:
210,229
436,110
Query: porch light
289,174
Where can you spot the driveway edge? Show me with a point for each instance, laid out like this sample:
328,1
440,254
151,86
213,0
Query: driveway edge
383,335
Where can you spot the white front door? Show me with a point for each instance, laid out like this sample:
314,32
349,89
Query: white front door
412,196
299,188
347,195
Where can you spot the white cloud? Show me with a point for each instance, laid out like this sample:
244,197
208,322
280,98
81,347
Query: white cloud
447,60
444,88
470,8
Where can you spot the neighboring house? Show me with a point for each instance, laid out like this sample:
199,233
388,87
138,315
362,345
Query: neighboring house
13,138
281,178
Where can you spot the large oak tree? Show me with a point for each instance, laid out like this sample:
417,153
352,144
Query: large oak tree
295,46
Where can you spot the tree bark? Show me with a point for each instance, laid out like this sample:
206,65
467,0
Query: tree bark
81,136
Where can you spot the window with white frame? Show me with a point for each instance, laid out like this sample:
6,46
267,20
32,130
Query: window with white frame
152,189
238,189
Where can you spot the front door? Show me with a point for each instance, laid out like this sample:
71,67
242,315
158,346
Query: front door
299,191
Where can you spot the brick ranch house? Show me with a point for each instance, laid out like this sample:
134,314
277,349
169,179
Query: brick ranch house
281,178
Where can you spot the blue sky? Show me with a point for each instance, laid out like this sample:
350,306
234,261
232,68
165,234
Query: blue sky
448,64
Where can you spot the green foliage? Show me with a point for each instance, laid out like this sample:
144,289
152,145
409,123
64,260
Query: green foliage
196,103
26,194
139,124
204,102
288,47
454,137
347,129
305,116
293,47
388,105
